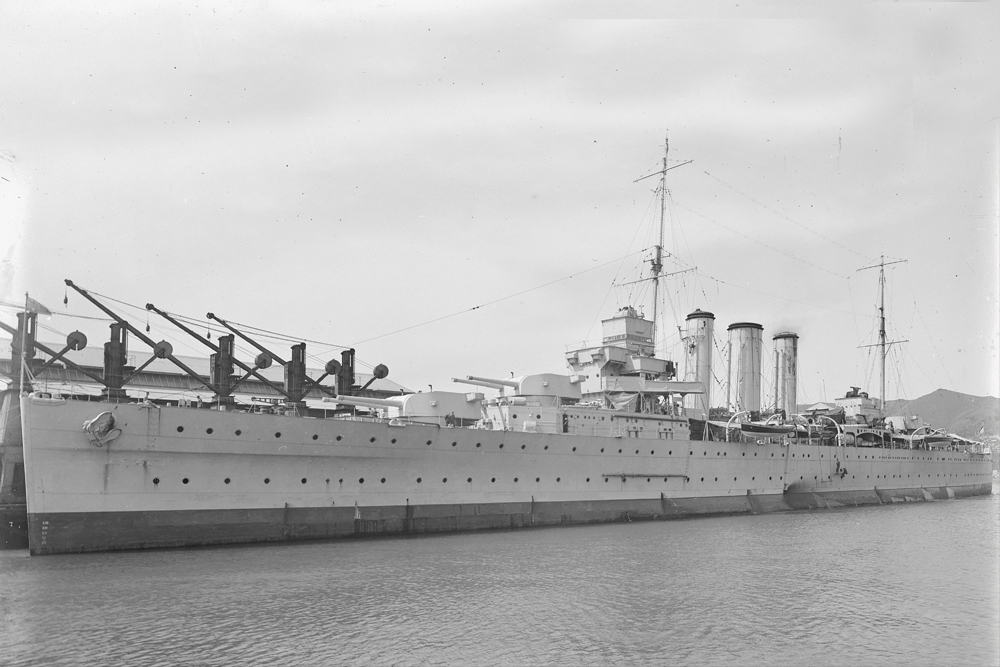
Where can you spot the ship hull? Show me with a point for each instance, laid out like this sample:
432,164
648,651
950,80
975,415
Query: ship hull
187,477
13,506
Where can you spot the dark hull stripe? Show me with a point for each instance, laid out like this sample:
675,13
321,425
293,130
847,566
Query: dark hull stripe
13,527
104,531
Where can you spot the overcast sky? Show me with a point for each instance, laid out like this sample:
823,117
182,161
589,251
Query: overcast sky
344,172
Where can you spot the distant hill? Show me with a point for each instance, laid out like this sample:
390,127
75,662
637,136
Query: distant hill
954,412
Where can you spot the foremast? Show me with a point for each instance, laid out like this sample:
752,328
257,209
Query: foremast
656,264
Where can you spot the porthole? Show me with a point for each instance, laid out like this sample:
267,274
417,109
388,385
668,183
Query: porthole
239,432
419,480
185,480
469,480
734,479
752,478
501,445
339,438
340,481
454,444
647,480
770,478
428,442
538,416
393,441
744,453
670,453
304,480
208,430
278,434
725,453
558,479
361,481
493,479
588,479
315,437
619,451
652,451
327,480
538,479
372,439
637,451
515,416
479,444
703,479
574,449
180,429
602,450
605,479
444,480
716,479
546,446
156,480
522,446
515,480
267,480
226,480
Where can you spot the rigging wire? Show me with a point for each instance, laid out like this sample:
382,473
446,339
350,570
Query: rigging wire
783,216
495,301
774,296
792,257
628,249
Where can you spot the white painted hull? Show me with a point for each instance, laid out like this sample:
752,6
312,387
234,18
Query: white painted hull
178,476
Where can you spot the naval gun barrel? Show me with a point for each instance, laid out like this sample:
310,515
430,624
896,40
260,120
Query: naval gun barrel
368,402
488,382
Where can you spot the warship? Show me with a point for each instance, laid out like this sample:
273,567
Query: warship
623,435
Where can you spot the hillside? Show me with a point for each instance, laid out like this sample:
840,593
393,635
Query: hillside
953,411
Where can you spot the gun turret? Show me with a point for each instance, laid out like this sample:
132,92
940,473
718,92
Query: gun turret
434,407
556,387
489,382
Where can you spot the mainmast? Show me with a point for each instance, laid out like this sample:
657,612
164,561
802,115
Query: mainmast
882,344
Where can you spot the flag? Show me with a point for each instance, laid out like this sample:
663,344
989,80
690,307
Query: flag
33,306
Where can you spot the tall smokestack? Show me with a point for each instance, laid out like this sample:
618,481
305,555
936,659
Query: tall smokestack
698,345
745,351
786,355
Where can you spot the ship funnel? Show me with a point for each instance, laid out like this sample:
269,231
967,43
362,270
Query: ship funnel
744,366
786,359
698,345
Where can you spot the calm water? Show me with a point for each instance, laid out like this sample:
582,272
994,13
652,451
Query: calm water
907,585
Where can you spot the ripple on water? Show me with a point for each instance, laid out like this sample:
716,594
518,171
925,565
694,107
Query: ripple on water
909,584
